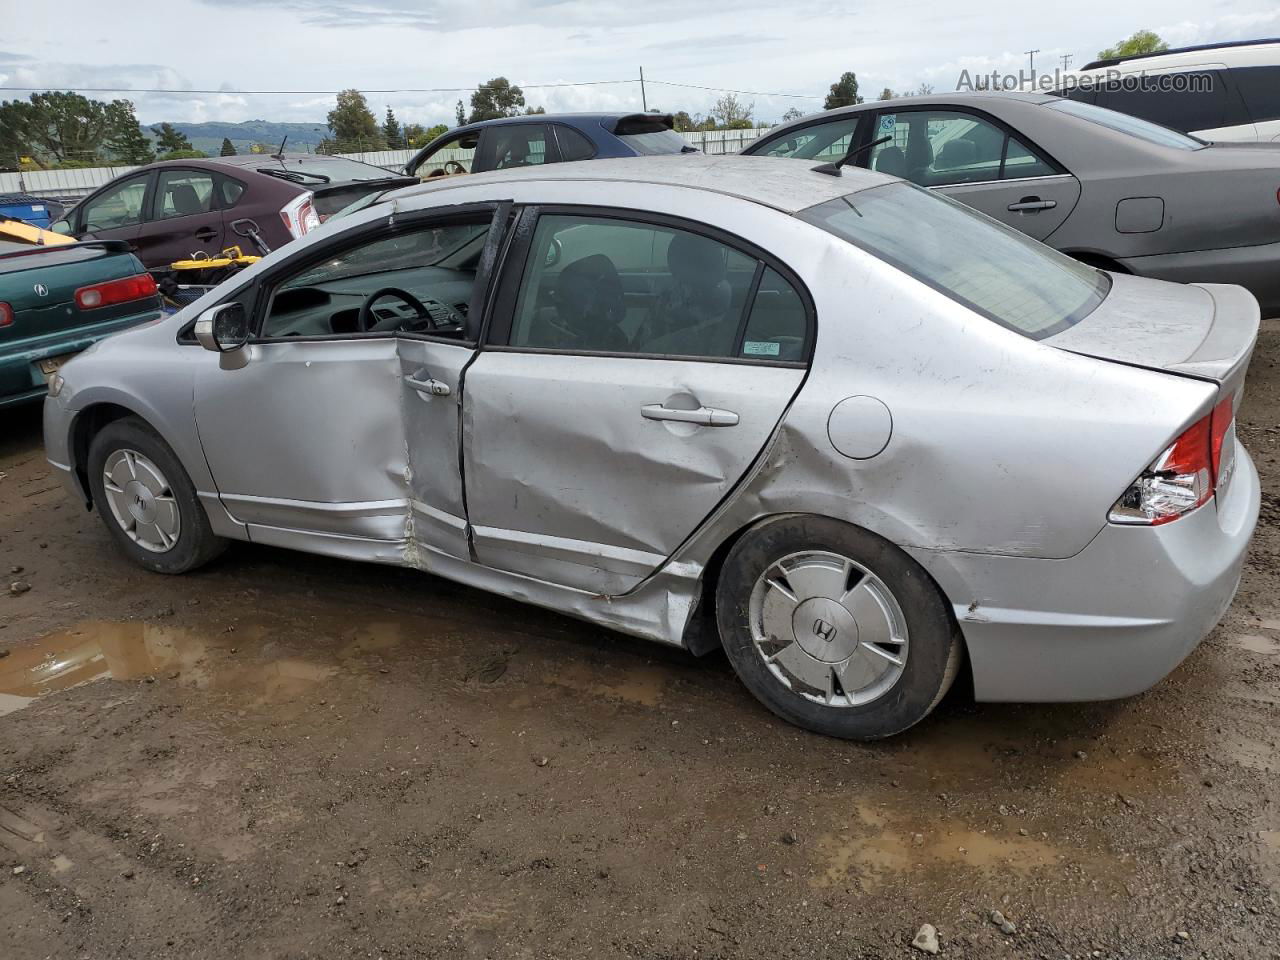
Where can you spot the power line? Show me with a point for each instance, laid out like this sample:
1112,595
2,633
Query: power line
330,93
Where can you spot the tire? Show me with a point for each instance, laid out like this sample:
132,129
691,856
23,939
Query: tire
813,613
149,482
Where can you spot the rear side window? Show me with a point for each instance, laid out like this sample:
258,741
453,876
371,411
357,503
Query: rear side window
821,141
1190,100
1127,123
607,285
990,268
1260,89
573,145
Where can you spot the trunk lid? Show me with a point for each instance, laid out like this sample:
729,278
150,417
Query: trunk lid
1202,330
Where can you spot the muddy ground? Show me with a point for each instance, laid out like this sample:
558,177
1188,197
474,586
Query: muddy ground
286,756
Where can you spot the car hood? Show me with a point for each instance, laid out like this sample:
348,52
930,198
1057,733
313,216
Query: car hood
1202,330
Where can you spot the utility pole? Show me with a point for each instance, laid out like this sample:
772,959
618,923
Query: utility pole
1066,62
1032,55
644,102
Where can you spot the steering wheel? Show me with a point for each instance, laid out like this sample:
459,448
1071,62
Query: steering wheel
363,322
450,167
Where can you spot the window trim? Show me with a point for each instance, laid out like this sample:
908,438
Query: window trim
1007,129
496,335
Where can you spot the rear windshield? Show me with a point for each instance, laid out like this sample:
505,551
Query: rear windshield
989,267
654,143
322,170
1134,126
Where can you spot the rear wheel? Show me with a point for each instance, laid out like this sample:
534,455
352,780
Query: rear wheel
834,628
147,501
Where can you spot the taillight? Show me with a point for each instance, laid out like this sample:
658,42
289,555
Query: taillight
1184,476
299,215
138,287
6,314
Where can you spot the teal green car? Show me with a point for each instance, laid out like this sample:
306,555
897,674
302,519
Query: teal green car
56,301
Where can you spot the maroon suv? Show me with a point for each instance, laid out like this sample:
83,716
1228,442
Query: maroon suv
171,210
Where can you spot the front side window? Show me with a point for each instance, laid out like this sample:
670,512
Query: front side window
119,207
516,145
597,284
455,155
823,142
183,193
941,147
429,273
1124,123
989,267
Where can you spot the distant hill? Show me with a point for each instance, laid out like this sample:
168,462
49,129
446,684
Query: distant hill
243,135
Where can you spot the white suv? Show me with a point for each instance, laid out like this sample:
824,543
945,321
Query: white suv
1224,91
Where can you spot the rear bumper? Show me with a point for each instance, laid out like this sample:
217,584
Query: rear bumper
1255,268
1111,621
20,377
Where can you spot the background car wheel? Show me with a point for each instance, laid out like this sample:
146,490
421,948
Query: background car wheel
834,628
147,500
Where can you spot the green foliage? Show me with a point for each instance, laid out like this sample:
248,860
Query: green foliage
794,113
169,140
683,122
730,113
460,114
353,124
182,155
415,135
886,94
1144,41
844,92
497,98
391,131
228,148
58,128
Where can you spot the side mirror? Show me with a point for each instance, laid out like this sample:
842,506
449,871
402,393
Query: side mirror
223,328
61,226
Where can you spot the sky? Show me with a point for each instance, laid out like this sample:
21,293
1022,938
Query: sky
764,47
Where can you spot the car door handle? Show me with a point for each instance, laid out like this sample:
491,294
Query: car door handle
437,388
703,416
1032,204
206,233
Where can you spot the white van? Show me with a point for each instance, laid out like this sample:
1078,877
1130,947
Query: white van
1221,91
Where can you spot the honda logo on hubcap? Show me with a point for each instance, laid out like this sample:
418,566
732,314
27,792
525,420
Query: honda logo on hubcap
823,630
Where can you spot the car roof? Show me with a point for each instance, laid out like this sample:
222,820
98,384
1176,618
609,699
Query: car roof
1176,53
264,159
781,183
976,98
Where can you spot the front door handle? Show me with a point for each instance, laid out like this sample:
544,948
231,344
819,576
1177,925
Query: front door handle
436,388
206,233
703,416
1032,204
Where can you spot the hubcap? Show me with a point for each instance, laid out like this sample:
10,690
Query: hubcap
828,628
141,501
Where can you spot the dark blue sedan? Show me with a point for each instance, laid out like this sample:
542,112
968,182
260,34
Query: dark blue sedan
546,138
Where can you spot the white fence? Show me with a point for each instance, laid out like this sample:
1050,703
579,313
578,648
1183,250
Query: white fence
77,183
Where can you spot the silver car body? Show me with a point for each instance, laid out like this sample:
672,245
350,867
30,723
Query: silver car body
1208,214
992,459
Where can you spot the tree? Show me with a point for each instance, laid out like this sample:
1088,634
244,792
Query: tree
1144,41
886,94
416,136
182,155
731,113
57,128
923,90
168,139
533,111
844,92
354,126
391,131
682,121
795,113
460,113
228,148
497,98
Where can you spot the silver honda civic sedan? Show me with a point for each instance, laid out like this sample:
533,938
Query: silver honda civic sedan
852,432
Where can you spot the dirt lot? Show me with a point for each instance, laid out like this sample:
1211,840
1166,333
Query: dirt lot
287,756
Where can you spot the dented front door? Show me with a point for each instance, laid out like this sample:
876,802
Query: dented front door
589,471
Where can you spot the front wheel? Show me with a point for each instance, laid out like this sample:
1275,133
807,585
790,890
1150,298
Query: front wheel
834,628
147,501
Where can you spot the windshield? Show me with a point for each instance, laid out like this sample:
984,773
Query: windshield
321,169
655,143
1134,126
990,268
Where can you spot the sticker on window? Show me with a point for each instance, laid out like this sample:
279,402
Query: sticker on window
887,123
761,348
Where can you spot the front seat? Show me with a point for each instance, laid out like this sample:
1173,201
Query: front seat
957,153
185,200
893,161
690,319
919,154
589,306
517,154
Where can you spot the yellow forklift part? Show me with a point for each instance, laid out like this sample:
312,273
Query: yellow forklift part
229,257
21,232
